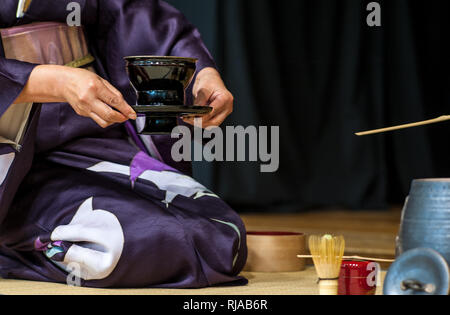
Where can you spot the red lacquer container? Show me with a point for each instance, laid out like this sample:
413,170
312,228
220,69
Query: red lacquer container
358,278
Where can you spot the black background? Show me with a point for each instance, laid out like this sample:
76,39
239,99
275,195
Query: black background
317,70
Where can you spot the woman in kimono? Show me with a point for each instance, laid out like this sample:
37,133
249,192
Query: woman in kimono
84,197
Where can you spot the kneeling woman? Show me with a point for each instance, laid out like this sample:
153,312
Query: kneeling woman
81,194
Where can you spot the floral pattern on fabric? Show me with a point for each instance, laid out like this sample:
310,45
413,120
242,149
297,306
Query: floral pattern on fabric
55,251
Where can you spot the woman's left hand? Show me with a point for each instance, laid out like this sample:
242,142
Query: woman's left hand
209,89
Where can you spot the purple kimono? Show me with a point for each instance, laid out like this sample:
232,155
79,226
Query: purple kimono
109,205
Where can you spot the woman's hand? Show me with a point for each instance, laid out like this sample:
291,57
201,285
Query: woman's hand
209,89
91,96
87,93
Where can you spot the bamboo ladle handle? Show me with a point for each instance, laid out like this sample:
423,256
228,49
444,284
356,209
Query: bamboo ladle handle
356,258
417,124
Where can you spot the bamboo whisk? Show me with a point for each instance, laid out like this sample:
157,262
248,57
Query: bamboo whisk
327,252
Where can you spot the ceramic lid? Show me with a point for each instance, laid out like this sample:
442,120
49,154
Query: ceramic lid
418,272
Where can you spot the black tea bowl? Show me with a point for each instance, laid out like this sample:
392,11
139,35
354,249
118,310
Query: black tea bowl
160,83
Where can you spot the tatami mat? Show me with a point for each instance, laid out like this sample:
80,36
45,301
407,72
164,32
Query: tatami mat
297,283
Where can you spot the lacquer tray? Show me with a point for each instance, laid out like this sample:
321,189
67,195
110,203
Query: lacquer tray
172,110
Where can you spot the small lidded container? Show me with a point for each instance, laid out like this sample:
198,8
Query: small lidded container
358,278
273,252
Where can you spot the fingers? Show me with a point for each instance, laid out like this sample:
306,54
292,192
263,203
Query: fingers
222,105
202,98
111,96
102,123
215,119
111,87
105,115
91,96
101,113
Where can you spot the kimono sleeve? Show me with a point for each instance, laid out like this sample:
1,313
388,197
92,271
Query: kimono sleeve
15,157
13,78
186,39
149,27
14,74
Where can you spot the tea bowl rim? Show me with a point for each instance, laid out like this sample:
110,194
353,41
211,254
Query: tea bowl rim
161,58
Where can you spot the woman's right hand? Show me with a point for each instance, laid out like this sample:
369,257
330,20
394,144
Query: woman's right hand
87,93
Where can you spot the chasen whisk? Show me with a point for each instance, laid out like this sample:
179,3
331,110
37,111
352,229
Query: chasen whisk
327,252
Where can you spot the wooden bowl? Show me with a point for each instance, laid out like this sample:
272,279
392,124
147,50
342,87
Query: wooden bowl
275,252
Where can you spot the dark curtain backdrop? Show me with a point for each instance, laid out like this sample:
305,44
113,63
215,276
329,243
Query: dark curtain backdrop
314,68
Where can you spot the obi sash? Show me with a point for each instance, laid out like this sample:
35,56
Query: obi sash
47,43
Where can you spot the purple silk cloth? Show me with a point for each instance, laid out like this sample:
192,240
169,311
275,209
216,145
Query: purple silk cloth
91,196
